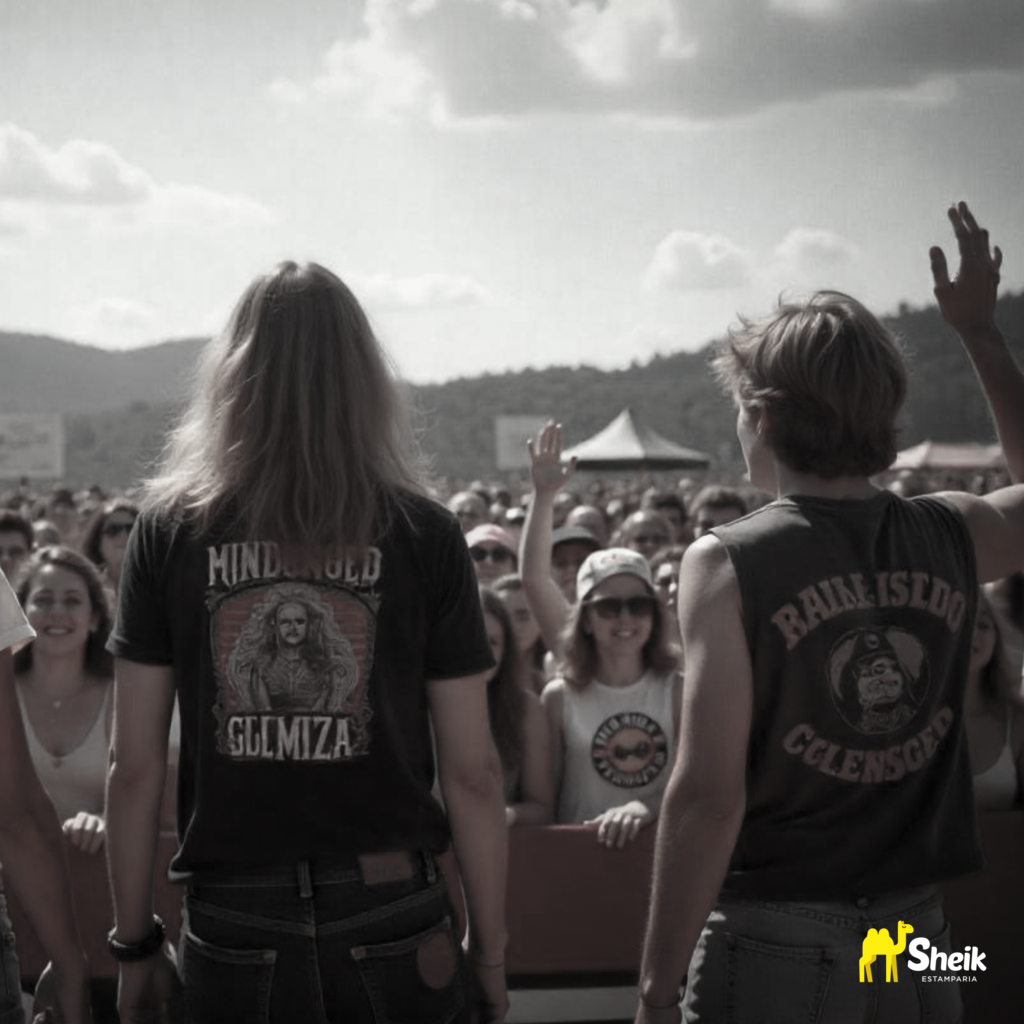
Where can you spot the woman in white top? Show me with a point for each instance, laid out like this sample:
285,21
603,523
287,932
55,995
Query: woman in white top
613,712
994,714
64,683
30,848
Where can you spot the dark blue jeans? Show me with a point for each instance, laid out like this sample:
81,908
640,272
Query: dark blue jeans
365,943
768,962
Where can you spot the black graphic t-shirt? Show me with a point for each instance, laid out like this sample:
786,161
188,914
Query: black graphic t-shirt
302,690
859,616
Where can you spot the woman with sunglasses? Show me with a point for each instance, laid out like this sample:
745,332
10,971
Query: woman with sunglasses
612,714
493,551
106,536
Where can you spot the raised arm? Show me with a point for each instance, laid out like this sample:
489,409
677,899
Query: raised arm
705,800
469,772
548,474
968,304
32,853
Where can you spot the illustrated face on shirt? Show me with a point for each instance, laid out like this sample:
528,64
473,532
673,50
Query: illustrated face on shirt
879,682
292,624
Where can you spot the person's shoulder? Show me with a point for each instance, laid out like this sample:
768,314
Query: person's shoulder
421,512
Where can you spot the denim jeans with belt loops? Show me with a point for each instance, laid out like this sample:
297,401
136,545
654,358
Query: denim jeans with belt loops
369,941
782,962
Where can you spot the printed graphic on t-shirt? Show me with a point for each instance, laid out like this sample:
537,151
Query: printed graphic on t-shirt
629,750
292,660
878,678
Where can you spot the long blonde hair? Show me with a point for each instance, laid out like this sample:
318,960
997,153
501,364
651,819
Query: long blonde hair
296,431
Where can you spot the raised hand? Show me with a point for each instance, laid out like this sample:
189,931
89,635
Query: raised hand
968,302
547,471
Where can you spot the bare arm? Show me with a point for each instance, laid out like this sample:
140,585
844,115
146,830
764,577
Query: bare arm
549,605
705,800
552,701
32,853
537,777
469,772
968,304
143,703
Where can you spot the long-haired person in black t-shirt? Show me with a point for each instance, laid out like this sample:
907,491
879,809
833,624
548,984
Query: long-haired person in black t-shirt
318,619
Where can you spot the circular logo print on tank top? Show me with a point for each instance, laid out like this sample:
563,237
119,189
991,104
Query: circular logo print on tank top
629,750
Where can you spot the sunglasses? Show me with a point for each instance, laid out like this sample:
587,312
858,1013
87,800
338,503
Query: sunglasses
116,529
496,555
639,607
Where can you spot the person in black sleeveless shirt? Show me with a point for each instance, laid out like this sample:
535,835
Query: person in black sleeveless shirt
823,787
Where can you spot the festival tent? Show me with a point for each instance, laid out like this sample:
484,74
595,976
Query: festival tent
936,455
627,444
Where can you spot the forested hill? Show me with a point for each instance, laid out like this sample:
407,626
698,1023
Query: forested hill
675,395
117,405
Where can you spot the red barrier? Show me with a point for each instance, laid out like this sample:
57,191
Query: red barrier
577,909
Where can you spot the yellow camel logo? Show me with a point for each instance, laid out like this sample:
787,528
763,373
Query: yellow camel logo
879,943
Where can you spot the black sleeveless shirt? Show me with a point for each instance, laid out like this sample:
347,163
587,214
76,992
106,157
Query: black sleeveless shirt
858,616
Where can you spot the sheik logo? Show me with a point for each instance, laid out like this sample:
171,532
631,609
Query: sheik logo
923,957
878,942
629,750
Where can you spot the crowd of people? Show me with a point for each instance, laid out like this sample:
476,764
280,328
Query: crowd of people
324,679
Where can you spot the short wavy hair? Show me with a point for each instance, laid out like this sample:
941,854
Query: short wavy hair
831,377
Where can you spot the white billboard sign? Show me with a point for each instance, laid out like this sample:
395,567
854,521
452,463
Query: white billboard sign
510,435
32,445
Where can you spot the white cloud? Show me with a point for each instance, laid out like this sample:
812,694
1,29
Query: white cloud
78,172
691,261
387,292
810,251
114,320
88,178
453,60
288,91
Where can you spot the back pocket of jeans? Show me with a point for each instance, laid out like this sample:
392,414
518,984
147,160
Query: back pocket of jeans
226,985
413,979
768,984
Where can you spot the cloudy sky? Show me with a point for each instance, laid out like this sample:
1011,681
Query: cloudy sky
505,183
